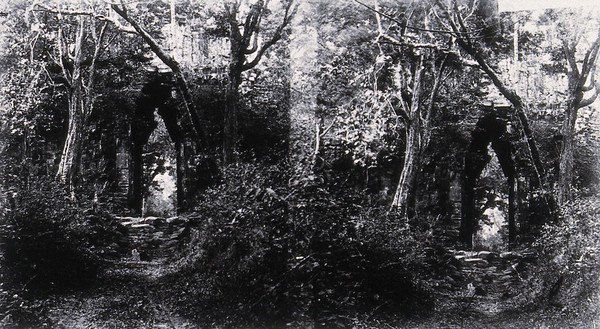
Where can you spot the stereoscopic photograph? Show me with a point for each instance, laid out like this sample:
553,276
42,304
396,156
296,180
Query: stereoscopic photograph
299,164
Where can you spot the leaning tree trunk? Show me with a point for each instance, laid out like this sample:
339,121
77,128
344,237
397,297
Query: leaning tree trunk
465,41
208,165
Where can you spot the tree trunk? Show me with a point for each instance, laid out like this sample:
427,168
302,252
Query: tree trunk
565,178
81,98
243,43
230,117
512,225
68,167
418,115
581,80
410,169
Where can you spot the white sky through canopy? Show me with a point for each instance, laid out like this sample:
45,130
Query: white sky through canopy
518,5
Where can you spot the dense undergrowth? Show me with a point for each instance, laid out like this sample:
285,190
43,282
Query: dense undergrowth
264,250
50,244
299,252
570,252
270,250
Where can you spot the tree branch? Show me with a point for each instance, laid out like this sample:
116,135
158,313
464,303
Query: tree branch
590,100
434,91
254,36
233,23
589,61
62,57
154,46
95,15
416,87
403,24
98,39
290,11
402,111
252,20
570,55
464,41
197,127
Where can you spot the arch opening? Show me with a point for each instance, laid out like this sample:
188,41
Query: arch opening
488,209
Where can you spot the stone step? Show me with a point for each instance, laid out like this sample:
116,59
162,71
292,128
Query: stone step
491,274
154,237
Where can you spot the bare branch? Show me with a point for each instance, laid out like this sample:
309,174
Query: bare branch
252,28
416,87
402,111
233,23
438,80
154,46
589,62
98,40
399,22
463,28
251,24
290,11
590,100
95,15
570,55
62,56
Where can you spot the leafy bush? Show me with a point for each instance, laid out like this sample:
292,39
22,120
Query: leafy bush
49,242
571,249
279,250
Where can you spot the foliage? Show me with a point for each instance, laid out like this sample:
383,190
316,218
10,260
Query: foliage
264,124
571,249
301,252
364,126
17,311
48,242
32,120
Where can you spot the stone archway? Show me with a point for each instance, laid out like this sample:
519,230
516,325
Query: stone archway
155,98
491,133
194,170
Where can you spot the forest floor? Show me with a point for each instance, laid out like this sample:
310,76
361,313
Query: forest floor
135,295
131,294
144,294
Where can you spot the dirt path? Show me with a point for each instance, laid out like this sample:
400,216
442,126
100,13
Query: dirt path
128,295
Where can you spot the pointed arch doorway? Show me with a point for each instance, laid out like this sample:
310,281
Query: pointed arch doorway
491,136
